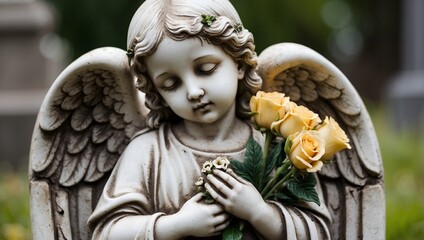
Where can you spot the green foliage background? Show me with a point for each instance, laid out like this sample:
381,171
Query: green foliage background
403,159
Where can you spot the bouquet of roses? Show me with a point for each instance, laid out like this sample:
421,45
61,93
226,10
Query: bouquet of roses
305,143
297,143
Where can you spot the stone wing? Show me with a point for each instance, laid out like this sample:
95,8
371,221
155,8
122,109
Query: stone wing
85,122
353,183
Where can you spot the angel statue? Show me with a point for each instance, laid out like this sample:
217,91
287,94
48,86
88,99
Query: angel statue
121,136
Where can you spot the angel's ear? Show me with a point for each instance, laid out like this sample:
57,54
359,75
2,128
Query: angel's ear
241,71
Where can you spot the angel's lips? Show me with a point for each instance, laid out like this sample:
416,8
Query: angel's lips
202,107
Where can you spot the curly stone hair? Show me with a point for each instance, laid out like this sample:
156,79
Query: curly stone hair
182,19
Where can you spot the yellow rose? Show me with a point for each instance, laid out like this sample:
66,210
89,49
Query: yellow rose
335,138
269,107
297,118
306,150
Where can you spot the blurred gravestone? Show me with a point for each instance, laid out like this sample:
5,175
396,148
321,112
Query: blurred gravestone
406,93
26,72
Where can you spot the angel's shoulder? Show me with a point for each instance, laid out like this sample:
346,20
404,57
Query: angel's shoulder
145,136
138,152
143,139
148,139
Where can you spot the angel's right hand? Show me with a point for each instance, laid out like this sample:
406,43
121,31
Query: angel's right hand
202,219
195,218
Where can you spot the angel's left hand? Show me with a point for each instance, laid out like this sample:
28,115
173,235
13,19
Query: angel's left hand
238,196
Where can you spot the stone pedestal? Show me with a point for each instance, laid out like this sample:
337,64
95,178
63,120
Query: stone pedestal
25,73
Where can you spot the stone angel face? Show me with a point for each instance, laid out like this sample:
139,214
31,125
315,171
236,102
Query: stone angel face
198,81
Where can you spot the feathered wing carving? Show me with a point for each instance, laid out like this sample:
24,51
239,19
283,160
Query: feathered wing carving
85,122
353,183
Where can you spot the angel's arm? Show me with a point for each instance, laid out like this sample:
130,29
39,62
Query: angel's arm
124,209
195,218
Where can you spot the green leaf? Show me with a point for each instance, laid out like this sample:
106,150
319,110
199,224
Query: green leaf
251,168
240,169
274,156
234,231
253,162
304,189
208,19
285,196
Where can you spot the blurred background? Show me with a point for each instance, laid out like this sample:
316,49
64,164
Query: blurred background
379,45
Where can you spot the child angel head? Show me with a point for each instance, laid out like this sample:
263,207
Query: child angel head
172,27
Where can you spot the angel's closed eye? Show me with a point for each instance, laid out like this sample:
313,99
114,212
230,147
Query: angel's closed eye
206,68
169,84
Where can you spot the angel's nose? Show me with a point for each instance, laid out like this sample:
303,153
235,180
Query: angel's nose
194,92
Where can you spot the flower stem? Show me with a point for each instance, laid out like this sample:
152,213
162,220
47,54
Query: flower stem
281,182
268,140
278,172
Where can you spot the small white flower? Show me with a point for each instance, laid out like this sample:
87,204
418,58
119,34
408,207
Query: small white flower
221,163
200,181
207,167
